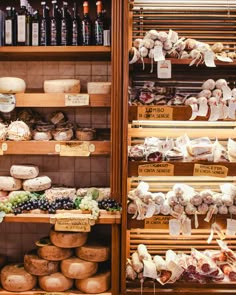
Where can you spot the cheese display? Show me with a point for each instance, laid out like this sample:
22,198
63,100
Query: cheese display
68,239
96,284
76,268
15,278
12,85
93,252
62,86
8,183
99,87
37,184
38,266
24,171
56,282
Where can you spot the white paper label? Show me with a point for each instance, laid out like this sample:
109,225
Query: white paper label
209,59
173,36
77,99
21,33
35,34
215,113
164,69
186,227
232,108
8,32
227,92
158,53
174,227
150,210
203,108
149,269
231,227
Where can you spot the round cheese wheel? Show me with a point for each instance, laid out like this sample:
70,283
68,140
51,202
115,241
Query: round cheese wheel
12,85
24,171
56,282
99,87
93,252
96,284
68,239
38,266
8,183
76,268
40,183
15,278
62,86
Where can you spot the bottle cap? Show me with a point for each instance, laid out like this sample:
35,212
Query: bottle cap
86,8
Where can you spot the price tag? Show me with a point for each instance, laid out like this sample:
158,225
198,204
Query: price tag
157,222
210,170
77,100
231,227
164,69
155,113
75,149
160,169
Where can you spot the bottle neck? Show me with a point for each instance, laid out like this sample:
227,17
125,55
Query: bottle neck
85,9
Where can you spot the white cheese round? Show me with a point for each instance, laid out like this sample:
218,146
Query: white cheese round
24,171
93,252
62,86
37,184
99,87
98,283
68,239
12,85
8,183
56,282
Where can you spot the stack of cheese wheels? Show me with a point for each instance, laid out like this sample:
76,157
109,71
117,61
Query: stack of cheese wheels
68,239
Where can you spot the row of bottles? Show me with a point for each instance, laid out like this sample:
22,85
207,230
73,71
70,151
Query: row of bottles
27,27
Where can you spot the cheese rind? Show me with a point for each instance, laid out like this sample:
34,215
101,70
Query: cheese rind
62,86
99,87
54,253
24,171
56,282
68,239
12,85
40,183
8,183
93,252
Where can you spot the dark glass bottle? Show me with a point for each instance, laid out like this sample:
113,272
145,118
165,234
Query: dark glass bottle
44,26
86,26
65,40
14,15
28,25
76,27
35,29
98,25
21,24
9,24
54,25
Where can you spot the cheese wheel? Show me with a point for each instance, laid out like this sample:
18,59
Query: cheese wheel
15,278
40,183
93,252
55,282
76,268
12,85
98,283
8,183
24,171
99,87
62,86
68,239
38,266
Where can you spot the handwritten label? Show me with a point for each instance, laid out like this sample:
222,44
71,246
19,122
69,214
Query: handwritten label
73,222
210,170
75,149
155,113
157,222
160,169
76,99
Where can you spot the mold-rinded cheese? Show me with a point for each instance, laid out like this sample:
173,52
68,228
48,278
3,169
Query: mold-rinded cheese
68,239
15,278
76,268
8,183
96,284
56,282
99,87
12,85
24,171
62,86
40,183
93,252
38,266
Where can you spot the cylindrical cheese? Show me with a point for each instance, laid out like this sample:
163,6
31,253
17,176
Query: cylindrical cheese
68,239
62,86
98,283
38,266
99,87
93,252
56,282
12,85
54,253
15,278
24,171
76,268
40,183
8,183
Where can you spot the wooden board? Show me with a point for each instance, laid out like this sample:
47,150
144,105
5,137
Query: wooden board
41,292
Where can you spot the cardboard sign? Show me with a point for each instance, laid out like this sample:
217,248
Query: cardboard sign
210,170
159,221
160,169
155,113
77,100
76,149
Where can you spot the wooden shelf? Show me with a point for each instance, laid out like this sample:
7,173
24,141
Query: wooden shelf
55,53
58,100
32,147
41,292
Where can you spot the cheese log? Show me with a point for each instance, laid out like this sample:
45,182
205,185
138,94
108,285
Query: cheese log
93,252
98,283
15,278
40,183
12,85
68,239
62,86
24,171
54,253
38,266
56,282
99,87
76,268
8,183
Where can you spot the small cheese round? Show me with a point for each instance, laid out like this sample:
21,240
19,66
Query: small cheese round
24,171
56,282
62,86
12,85
76,268
38,266
93,252
96,284
15,278
99,87
68,239
53,253
8,183
40,183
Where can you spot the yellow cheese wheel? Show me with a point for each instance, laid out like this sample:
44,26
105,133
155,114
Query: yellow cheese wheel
56,282
68,239
15,278
93,252
12,85
54,253
62,86
76,268
96,284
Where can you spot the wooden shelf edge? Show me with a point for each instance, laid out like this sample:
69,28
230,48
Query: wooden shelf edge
54,49
41,292
182,290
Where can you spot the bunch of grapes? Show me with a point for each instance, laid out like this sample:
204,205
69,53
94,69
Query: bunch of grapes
5,206
109,205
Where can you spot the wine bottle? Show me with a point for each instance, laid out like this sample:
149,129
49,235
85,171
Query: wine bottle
28,24
44,26
21,24
98,25
9,24
86,26
14,16
76,27
35,29
54,25
64,26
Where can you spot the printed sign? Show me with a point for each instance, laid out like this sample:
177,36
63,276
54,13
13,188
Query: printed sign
160,169
155,113
210,170
77,100
75,149
158,221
